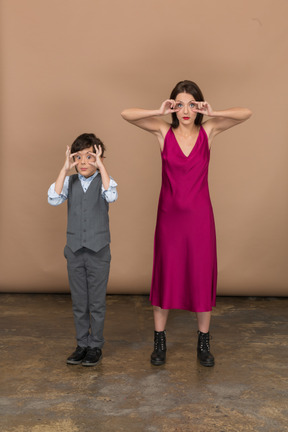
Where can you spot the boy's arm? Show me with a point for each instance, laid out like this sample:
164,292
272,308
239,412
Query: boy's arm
110,194
109,191
58,191
104,175
68,164
60,181
56,199
99,164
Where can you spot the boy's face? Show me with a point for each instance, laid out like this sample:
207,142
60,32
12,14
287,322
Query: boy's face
83,166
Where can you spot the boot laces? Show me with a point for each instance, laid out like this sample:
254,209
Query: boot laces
159,341
204,341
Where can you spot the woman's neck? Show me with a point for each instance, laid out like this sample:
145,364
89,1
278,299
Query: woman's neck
187,131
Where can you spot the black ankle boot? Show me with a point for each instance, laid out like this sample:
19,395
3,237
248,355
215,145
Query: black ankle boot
158,357
203,350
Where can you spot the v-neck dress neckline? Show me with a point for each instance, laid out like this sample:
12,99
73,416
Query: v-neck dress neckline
195,144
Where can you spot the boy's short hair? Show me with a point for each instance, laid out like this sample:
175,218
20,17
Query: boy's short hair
87,140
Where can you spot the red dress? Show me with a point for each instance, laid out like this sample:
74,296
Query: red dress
185,260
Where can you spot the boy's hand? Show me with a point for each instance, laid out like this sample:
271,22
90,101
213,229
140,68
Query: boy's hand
98,160
68,165
69,162
98,163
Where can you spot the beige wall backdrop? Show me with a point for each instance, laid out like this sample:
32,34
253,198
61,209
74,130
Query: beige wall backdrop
71,66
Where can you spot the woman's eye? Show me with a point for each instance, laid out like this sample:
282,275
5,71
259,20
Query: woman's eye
192,105
179,105
88,157
78,157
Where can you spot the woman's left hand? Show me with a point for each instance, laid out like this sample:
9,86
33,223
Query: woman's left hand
203,108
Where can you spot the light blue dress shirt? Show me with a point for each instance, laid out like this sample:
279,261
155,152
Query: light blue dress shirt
55,199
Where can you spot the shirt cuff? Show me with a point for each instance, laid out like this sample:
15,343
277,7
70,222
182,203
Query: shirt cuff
54,198
112,183
52,193
110,194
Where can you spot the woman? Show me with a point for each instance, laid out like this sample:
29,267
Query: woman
185,262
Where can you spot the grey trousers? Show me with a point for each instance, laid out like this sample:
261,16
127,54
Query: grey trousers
88,273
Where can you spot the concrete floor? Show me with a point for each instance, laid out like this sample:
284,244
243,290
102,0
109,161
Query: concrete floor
245,391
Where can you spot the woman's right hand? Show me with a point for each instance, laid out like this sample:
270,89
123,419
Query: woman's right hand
168,107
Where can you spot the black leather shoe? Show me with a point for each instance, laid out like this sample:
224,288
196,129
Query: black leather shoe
92,357
158,356
77,356
203,350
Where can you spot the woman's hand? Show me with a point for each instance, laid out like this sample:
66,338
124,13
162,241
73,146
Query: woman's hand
168,107
203,108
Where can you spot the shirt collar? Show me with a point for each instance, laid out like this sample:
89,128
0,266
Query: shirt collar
82,178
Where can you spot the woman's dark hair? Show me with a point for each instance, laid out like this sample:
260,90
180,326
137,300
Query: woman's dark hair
191,88
87,140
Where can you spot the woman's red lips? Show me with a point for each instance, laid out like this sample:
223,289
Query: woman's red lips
186,118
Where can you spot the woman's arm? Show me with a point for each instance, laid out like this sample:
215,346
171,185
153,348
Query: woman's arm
150,120
220,121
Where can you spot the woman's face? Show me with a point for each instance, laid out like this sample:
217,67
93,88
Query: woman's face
185,103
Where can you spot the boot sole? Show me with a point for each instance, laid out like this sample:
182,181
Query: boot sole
158,363
92,364
206,364
73,362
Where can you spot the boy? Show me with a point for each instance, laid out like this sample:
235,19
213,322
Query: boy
88,241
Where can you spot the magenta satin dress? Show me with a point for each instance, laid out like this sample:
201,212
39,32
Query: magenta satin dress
185,260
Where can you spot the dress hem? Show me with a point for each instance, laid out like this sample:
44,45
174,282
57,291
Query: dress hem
186,308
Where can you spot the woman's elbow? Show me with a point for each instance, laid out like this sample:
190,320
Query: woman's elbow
248,113
124,114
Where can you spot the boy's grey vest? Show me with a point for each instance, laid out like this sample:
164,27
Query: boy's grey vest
88,221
